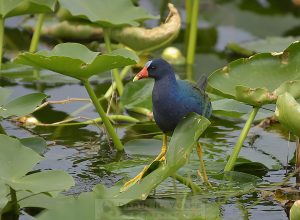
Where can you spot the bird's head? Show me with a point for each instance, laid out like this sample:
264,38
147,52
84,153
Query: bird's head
156,68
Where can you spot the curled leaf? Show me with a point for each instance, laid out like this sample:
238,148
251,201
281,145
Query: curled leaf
143,39
288,112
260,79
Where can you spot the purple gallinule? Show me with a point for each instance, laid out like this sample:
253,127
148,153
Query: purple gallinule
172,100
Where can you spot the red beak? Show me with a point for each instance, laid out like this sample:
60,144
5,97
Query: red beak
142,74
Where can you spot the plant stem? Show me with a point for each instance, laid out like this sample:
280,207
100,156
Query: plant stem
123,118
110,90
162,9
230,164
1,39
102,114
188,12
2,131
37,33
115,72
187,182
193,32
14,201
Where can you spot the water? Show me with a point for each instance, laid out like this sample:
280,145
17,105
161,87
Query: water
85,153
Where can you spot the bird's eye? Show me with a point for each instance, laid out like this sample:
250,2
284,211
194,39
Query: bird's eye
153,67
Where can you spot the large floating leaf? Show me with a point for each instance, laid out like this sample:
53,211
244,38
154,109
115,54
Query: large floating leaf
142,39
76,60
182,142
20,106
17,160
259,80
87,206
288,113
107,13
270,44
138,94
10,8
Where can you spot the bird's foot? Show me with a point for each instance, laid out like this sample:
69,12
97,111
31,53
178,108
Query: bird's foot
147,169
134,180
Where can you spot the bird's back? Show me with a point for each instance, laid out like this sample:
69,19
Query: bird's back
194,98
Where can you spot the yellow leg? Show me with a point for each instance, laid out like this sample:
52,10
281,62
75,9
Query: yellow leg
202,166
159,157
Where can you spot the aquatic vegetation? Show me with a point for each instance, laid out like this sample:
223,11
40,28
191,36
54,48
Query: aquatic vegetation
61,159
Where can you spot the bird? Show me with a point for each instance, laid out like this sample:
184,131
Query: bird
172,99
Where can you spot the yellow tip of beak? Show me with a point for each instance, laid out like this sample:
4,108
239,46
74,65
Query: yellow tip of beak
136,78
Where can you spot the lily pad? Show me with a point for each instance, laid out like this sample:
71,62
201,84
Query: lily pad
270,44
37,144
182,142
76,60
260,79
20,106
17,160
11,8
138,94
87,206
107,13
288,113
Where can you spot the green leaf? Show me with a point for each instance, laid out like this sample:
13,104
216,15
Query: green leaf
87,206
182,142
107,13
4,94
138,94
37,144
76,60
4,190
46,181
288,113
295,211
148,147
15,159
9,8
23,105
270,44
259,80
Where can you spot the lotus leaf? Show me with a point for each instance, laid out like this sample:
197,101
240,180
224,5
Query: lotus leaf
17,160
260,79
107,13
288,112
9,8
182,142
20,106
76,60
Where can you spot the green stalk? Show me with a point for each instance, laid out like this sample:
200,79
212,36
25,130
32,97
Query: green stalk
123,118
187,182
240,141
115,72
162,9
2,130
14,201
102,114
188,12
37,33
123,73
1,39
193,32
